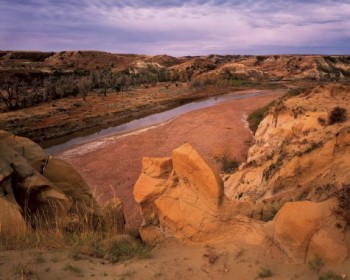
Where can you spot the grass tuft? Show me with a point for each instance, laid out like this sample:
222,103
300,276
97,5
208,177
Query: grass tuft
330,275
264,273
94,244
316,264
72,268
258,115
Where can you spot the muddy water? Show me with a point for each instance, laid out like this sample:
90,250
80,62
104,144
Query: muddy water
149,121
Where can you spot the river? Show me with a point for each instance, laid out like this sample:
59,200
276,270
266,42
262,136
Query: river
149,121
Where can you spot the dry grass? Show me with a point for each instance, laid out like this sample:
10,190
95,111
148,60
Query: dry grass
103,245
90,238
228,163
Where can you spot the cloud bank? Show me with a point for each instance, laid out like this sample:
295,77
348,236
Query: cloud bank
177,27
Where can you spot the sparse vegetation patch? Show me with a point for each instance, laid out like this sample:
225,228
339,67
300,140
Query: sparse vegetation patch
343,196
316,264
228,164
94,244
264,273
330,275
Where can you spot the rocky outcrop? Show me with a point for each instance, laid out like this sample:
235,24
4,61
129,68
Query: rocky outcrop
291,196
297,154
45,192
182,197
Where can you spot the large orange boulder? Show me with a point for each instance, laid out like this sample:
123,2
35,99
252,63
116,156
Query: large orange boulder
183,197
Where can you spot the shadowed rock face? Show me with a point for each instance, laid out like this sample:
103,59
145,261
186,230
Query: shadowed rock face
39,191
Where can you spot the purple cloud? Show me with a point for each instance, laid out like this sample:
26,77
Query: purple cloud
177,27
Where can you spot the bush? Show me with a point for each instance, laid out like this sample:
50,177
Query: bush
294,92
257,116
264,273
124,250
343,197
316,264
337,115
94,244
228,165
313,146
330,275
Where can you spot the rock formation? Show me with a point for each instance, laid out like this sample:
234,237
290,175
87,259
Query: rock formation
305,230
45,192
181,196
298,169
297,154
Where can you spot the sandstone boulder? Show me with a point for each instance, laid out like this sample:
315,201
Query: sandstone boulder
40,200
39,191
304,230
188,202
23,146
11,219
191,168
70,182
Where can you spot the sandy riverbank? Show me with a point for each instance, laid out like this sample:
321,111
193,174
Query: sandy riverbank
112,165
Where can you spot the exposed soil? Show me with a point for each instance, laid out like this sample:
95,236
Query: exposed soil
111,166
169,260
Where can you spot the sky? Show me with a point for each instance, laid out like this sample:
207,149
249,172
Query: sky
177,27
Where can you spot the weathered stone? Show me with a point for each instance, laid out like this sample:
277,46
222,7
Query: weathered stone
52,195
23,146
192,169
329,245
304,229
68,181
189,202
11,219
157,167
296,155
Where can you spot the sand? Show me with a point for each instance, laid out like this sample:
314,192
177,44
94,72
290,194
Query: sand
169,260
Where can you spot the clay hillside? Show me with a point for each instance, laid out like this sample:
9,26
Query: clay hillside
32,65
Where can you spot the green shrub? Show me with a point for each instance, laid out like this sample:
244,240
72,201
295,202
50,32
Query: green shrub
293,92
257,116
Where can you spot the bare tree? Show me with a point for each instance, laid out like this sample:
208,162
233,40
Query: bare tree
84,86
11,94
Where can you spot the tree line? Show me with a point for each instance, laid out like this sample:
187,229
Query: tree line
17,93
